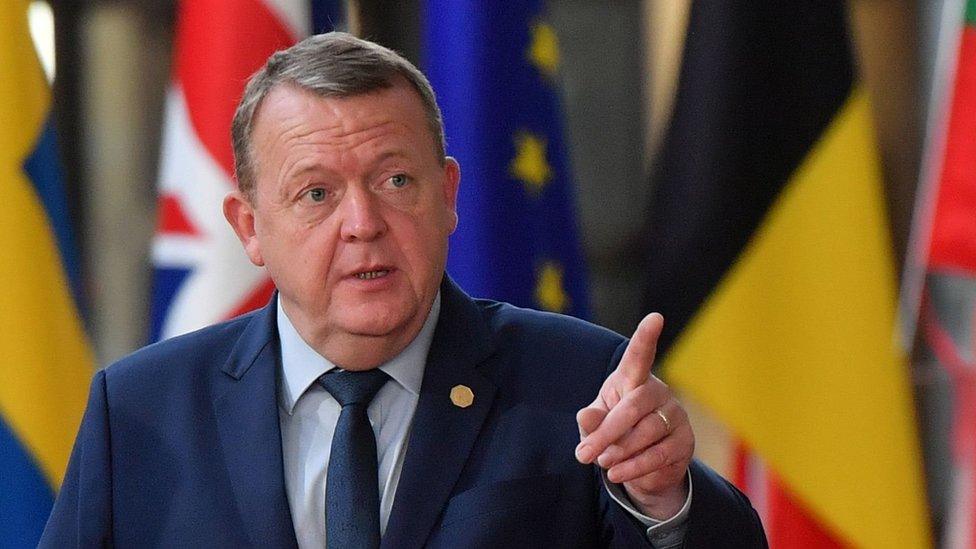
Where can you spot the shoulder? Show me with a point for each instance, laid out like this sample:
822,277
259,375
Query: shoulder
181,360
548,356
570,336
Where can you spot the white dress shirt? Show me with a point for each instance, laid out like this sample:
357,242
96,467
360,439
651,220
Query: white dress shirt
308,414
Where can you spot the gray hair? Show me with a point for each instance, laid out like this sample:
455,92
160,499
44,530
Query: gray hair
334,64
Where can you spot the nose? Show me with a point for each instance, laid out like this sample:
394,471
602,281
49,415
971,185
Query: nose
361,216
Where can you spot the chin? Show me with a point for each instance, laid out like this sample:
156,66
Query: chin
378,321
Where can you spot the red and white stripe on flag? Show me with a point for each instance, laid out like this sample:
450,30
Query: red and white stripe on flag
202,275
948,306
940,288
787,522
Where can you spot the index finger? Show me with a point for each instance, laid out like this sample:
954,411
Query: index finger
638,359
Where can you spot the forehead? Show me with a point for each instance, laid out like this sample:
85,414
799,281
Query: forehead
290,113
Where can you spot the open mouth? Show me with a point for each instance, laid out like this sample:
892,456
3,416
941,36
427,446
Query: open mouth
370,275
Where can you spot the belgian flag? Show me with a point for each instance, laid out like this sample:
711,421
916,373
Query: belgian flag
770,258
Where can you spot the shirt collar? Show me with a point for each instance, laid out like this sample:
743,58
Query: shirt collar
301,365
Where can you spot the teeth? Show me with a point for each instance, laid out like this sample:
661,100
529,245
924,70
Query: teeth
371,274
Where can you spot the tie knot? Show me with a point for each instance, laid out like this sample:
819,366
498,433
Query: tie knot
349,387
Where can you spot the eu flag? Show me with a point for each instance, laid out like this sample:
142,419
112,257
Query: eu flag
494,66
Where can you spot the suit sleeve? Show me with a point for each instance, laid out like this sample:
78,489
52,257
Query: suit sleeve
721,515
82,514
620,528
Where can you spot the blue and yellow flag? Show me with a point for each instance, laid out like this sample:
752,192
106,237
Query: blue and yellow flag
46,364
494,67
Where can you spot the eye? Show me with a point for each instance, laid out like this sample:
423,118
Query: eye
399,180
317,194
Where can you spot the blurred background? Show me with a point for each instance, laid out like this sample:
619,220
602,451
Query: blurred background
791,183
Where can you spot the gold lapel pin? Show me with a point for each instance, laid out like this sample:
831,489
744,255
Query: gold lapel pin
461,396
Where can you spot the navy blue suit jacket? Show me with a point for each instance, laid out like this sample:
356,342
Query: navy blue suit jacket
180,444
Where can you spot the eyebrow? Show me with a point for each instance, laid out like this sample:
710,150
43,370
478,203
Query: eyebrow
310,168
294,180
391,153
316,168
320,168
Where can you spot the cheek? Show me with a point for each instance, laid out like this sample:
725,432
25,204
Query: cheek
405,200
302,251
423,242
416,236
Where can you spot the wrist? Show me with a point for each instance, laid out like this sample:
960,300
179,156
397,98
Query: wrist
660,505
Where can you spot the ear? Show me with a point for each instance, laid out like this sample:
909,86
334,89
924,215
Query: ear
240,214
452,181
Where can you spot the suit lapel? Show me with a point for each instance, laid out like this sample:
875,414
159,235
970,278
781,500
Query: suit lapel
247,415
442,434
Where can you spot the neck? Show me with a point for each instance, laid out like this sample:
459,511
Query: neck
362,352
358,352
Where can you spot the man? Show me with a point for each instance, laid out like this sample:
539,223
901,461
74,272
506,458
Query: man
473,423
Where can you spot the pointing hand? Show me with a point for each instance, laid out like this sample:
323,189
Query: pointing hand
637,431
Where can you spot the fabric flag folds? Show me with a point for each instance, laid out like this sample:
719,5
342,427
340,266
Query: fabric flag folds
770,258
945,250
202,275
494,66
46,364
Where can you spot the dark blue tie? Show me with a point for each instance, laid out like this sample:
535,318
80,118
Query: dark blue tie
352,500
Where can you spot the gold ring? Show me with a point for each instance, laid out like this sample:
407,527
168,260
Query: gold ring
664,418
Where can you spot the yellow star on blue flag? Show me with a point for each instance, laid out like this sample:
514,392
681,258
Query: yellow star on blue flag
549,291
544,49
530,165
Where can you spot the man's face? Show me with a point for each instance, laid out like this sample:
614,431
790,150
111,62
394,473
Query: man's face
350,215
